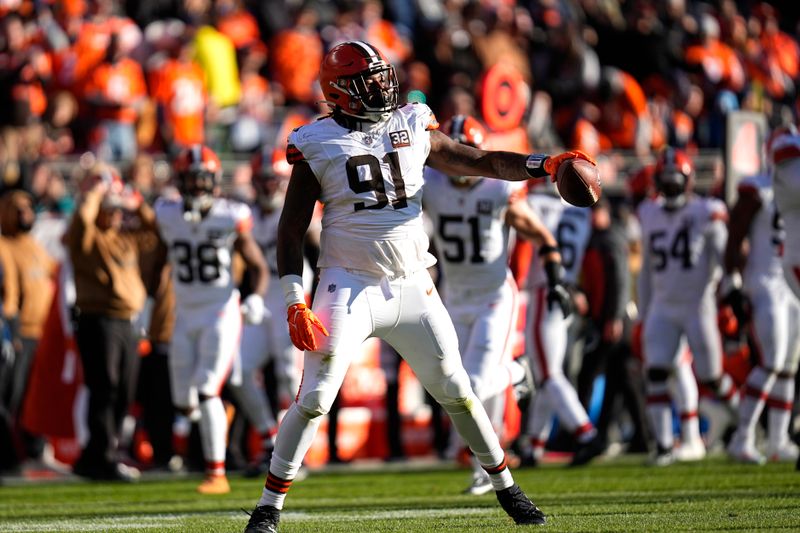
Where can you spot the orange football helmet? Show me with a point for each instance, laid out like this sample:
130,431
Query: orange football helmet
356,79
466,130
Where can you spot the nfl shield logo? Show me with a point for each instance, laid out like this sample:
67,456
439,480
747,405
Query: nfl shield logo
332,287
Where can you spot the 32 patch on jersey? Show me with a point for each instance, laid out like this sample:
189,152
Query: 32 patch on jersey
400,138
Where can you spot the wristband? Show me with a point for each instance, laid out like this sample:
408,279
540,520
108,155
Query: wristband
547,249
534,165
293,289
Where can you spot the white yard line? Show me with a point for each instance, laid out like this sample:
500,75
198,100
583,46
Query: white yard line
101,523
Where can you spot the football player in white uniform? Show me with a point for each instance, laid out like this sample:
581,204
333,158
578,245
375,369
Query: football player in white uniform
775,319
549,318
683,238
200,232
784,151
471,218
365,163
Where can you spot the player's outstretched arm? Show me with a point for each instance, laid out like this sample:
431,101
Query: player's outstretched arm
457,159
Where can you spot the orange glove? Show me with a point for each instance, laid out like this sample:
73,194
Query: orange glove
552,163
301,319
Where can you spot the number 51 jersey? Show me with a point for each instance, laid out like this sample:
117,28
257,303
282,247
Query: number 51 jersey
200,253
371,183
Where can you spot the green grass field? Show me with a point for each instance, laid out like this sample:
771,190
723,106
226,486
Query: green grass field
617,495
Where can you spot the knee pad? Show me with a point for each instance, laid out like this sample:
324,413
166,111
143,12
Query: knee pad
311,405
657,375
453,389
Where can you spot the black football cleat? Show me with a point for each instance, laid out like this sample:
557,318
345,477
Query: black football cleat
585,452
263,519
519,507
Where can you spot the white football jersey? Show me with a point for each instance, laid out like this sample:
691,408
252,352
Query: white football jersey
786,177
371,190
682,248
200,253
766,234
571,226
470,232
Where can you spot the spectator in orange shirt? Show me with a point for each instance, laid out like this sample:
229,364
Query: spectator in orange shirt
295,58
237,23
717,69
181,97
117,91
624,121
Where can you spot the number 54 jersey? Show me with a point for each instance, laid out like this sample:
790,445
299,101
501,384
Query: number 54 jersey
200,252
682,249
371,184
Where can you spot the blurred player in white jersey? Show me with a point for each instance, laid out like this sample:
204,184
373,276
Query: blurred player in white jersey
784,151
365,163
200,232
471,218
549,318
775,319
683,237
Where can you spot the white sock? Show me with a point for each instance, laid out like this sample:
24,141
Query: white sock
213,434
780,412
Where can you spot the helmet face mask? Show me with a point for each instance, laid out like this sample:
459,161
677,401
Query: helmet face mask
674,175
197,173
269,192
358,81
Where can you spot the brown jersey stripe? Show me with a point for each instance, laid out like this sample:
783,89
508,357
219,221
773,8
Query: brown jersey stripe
294,155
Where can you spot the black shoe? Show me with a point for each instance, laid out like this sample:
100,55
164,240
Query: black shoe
519,507
263,519
587,451
527,459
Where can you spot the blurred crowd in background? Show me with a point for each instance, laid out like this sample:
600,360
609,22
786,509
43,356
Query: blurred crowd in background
132,83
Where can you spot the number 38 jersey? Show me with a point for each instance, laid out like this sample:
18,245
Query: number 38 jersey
682,249
371,185
200,253
470,231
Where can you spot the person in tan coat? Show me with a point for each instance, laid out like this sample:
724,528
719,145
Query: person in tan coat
109,294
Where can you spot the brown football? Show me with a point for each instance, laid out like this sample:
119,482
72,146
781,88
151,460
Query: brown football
578,182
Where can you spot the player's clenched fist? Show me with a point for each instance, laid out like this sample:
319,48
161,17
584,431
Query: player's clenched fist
552,163
302,322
